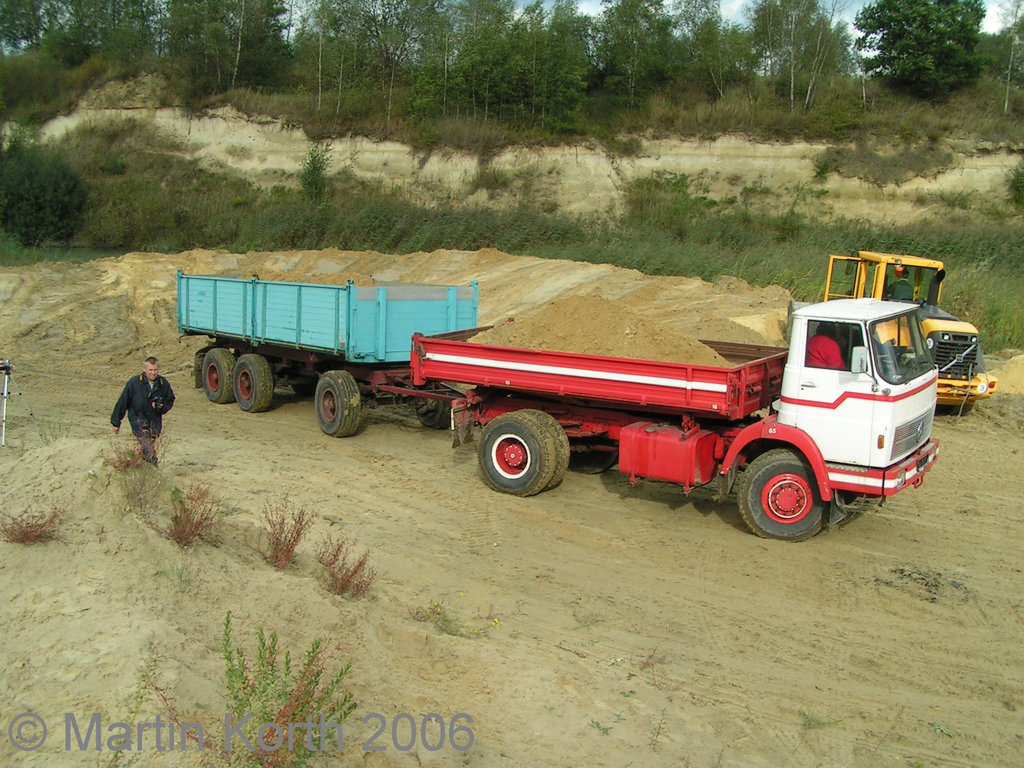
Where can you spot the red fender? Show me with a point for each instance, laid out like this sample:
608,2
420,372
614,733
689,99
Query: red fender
770,429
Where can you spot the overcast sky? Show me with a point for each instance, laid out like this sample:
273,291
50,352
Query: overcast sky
733,9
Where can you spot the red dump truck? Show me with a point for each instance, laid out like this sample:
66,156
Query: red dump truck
799,442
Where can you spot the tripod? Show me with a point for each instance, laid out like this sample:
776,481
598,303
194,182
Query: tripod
8,369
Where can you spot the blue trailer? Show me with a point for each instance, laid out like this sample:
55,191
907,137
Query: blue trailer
343,343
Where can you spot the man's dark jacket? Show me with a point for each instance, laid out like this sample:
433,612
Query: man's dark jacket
136,400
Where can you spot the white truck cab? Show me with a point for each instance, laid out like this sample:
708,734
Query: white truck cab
860,381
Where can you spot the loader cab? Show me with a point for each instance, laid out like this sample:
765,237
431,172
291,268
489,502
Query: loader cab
885,276
867,392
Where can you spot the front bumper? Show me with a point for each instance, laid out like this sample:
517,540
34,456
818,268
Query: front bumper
955,391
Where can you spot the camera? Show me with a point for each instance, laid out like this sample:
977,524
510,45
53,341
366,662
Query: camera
158,403
6,366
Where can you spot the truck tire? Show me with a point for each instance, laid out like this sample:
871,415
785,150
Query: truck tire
561,443
253,383
339,406
218,375
593,460
434,414
778,497
519,453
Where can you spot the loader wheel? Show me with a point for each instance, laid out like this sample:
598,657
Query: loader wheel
339,406
434,414
254,383
779,498
519,453
218,374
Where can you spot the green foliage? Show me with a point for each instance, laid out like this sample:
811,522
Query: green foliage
269,691
43,197
1015,182
924,47
313,175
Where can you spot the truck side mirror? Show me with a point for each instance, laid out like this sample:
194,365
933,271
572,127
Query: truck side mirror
859,360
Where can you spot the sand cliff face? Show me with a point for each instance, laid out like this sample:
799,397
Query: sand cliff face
574,179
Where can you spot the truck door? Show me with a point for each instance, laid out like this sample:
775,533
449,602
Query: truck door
835,405
845,278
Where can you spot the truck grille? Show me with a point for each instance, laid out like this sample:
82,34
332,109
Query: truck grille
910,435
957,357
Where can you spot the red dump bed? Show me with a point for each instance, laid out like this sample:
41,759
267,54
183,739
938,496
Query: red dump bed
750,384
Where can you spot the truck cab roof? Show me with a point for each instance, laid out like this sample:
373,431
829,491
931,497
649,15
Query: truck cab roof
853,309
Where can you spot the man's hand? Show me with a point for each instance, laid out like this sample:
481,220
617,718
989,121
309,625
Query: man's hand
117,430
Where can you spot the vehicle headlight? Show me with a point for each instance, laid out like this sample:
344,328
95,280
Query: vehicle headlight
930,342
982,387
901,478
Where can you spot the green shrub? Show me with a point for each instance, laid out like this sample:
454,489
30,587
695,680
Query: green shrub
313,176
44,197
1016,185
271,693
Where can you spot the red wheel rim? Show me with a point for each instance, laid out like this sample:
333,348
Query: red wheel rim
787,498
510,456
245,385
213,378
328,406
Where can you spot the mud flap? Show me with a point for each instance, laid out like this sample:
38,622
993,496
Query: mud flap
462,423
838,511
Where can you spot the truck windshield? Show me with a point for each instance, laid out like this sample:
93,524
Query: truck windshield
899,350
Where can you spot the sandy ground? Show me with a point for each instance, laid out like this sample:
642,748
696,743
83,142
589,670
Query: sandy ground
597,624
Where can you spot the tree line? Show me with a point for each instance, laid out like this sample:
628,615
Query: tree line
526,66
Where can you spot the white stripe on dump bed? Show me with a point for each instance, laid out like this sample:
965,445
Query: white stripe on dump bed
581,373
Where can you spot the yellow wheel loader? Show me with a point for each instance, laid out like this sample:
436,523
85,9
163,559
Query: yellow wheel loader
955,345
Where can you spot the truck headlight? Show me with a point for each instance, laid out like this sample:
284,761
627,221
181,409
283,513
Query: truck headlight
982,387
901,478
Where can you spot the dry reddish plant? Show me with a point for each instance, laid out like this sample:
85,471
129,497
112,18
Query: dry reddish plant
285,527
195,514
124,455
343,577
30,527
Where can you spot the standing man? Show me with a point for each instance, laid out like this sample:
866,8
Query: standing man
145,399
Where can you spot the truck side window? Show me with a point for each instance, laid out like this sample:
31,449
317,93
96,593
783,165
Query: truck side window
829,344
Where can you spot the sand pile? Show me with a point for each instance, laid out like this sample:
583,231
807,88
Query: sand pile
1011,376
594,325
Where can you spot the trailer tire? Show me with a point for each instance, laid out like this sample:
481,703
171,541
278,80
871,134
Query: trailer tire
778,497
339,406
253,383
218,375
519,453
197,366
434,414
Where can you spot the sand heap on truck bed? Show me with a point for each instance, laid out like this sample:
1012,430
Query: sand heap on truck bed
594,325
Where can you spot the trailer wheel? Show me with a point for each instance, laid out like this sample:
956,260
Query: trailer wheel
519,453
434,414
778,497
197,366
339,406
218,374
254,383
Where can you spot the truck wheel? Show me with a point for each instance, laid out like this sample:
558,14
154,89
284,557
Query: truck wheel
254,383
218,374
339,406
779,498
519,453
593,460
434,414
561,444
